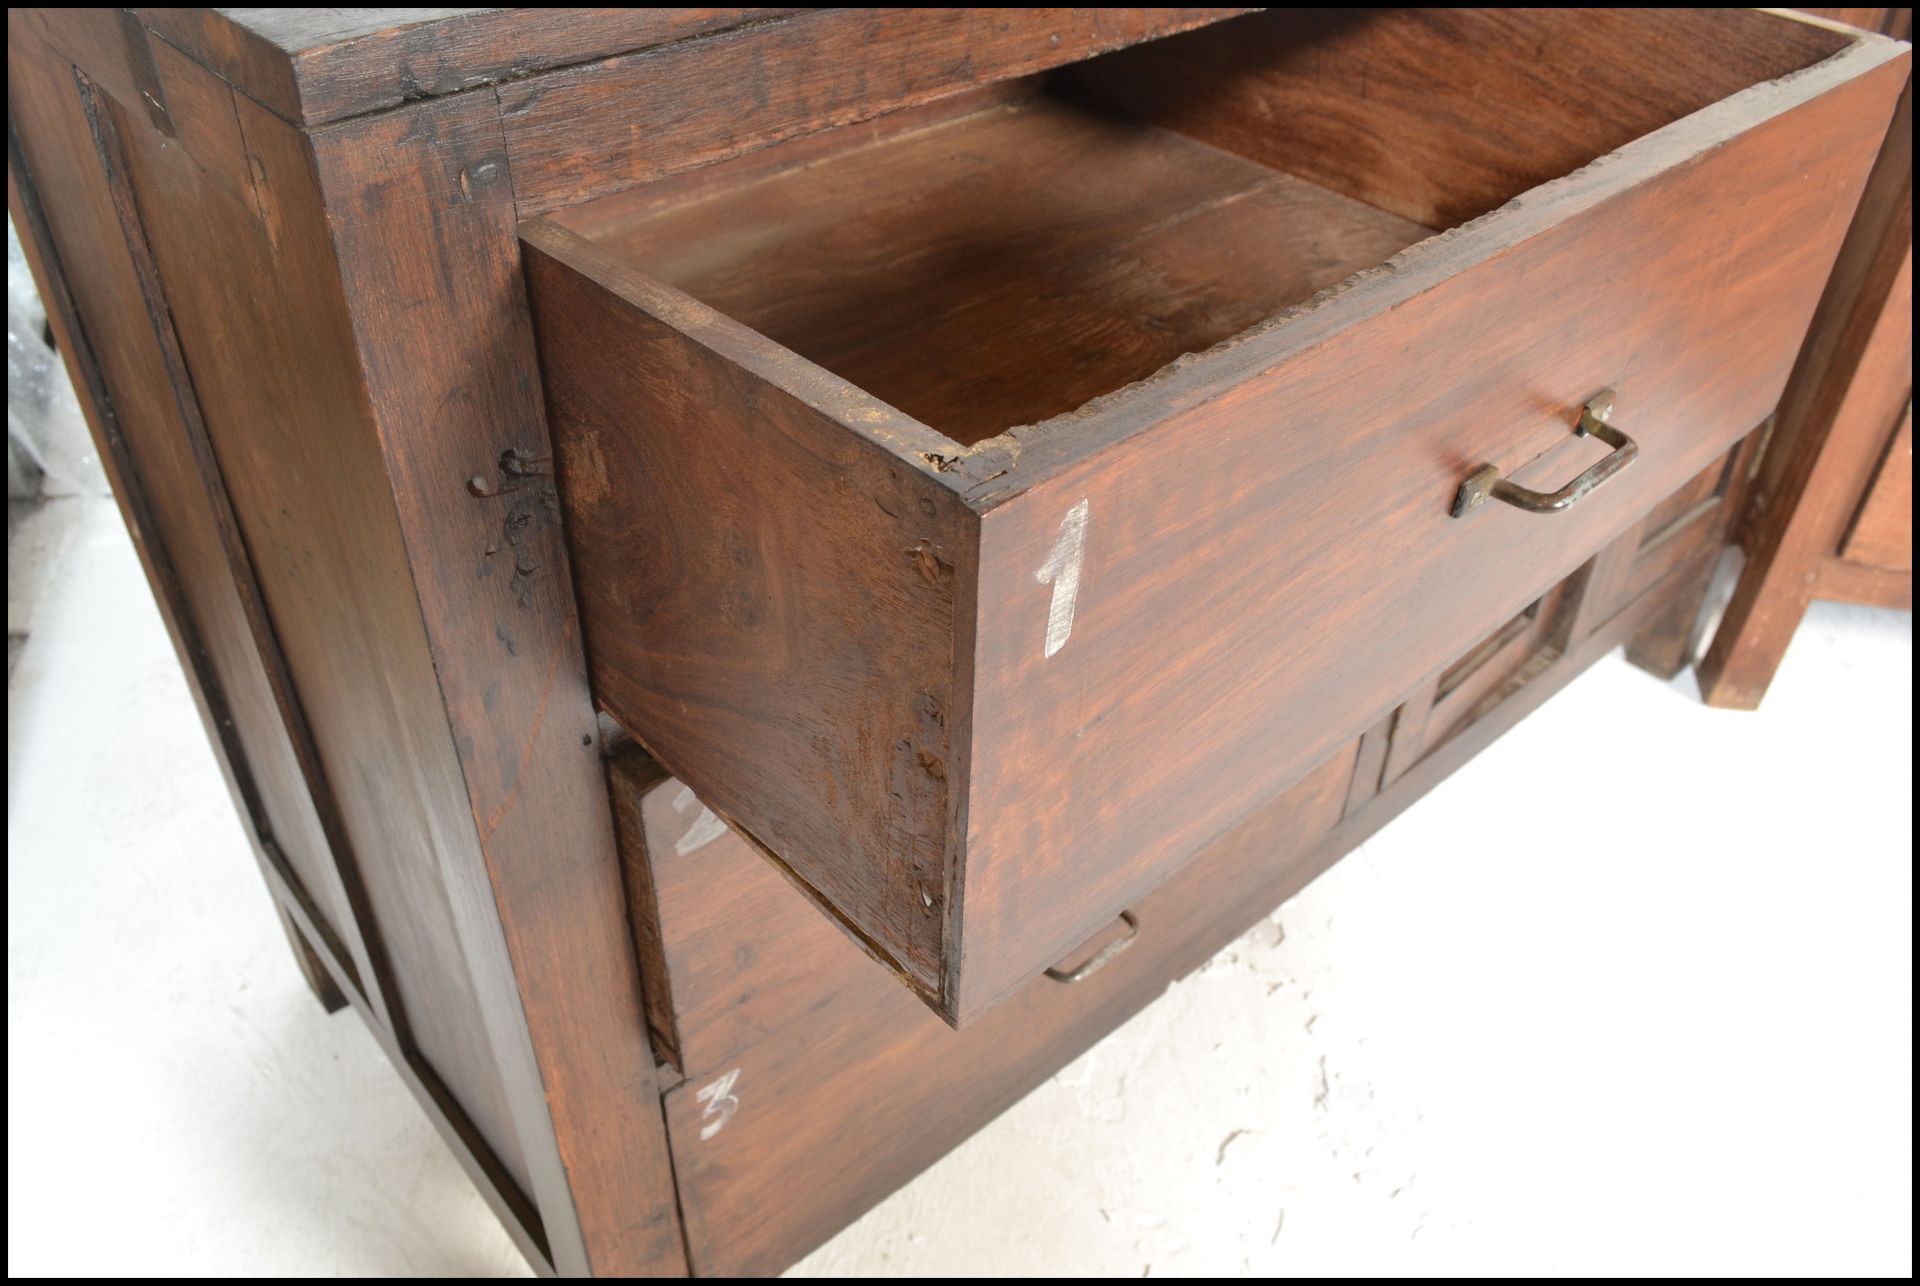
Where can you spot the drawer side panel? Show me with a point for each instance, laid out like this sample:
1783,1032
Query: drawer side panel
769,596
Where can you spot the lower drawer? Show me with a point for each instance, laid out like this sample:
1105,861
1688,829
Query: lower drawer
815,1083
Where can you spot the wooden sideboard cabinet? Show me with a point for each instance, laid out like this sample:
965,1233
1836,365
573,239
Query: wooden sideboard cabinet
764,577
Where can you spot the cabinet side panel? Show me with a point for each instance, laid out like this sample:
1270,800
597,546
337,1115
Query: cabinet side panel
267,354
184,529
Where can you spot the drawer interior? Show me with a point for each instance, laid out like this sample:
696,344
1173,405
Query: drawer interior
1008,265
1003,259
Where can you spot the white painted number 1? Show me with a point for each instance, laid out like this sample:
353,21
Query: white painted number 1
1062,571
721,1104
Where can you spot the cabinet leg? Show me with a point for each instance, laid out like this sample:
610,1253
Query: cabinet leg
1749,644
1848,393
319,980
1664,645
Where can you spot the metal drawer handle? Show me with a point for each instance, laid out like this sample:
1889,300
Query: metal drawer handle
1104,956
1486,480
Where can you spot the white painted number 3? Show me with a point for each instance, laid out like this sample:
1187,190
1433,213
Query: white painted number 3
721,1104
1062,571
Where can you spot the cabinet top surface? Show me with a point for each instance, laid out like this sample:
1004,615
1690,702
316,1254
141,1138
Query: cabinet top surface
301,30
316,66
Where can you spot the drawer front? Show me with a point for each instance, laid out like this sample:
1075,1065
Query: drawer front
1268,559
978,699
730,952
816,1085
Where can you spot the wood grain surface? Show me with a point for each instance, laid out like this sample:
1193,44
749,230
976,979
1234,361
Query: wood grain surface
1010,265
824,1087
249,297
1441,115
598,129
732,952
135,356
1882,532
422,227
799,566
188,538
851,1087
1207,579
1851,388
1028,525
1269,562
336,323
312,66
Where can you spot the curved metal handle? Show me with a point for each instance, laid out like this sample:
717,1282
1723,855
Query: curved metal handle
1486,480
1104,956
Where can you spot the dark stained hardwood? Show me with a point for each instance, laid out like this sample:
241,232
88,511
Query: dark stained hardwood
1441,115
1896,22
255,383
1467,686
524,1223
830,562
1266,528
312,966
69,188
1010,265
312,66
825,1087
852,1087
1688,529
732,953
246,289
1370,764
1238,565
1407,727
110,48
1850,582
1664,646
631,778
1660,568
280,253
1664,541
608,217
204,118
598,129
1851,391
1673,514
142,412
422,232
1882,532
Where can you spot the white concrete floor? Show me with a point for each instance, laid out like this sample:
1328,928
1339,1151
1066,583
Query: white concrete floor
1676,1040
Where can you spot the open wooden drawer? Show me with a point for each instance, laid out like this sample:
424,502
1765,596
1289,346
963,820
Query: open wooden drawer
936,483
